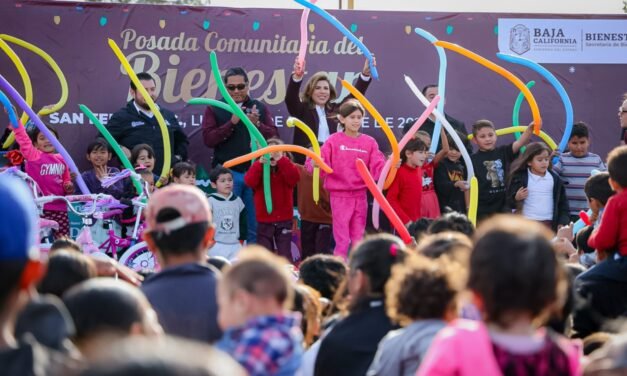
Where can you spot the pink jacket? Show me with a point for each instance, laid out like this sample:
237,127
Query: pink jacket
49,170
464,348
340,152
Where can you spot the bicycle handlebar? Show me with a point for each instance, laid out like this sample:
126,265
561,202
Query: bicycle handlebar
97,198
111,213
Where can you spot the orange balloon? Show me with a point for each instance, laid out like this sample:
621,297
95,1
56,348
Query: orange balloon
535,111
273,149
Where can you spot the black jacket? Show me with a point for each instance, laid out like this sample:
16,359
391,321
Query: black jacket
561,210
352,344
603,288
446,175
130,127
307,113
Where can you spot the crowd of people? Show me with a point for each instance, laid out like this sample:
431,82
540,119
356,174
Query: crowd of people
522,294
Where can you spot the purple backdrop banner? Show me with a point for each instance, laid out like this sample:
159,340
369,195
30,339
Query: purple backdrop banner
174,44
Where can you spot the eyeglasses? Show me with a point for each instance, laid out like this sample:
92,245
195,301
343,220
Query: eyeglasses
238,87
622,111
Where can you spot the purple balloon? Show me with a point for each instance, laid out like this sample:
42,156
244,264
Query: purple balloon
10,90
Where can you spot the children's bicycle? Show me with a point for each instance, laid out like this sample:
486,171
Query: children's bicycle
134,253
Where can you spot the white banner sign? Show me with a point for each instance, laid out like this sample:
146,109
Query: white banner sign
563,41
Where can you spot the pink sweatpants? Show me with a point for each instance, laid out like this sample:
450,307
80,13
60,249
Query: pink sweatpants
350,211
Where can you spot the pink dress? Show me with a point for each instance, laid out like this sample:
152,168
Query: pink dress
430,204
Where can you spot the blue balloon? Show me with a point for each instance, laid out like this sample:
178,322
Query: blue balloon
568,106
7,104
338,25
441,85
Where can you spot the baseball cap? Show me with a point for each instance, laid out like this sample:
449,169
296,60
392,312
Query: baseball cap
188,201
18,221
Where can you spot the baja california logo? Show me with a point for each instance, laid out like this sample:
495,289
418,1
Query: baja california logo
519,39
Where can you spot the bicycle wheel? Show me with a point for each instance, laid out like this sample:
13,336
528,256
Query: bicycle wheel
139,258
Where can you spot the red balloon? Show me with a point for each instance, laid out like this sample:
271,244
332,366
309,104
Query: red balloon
385,205
584,217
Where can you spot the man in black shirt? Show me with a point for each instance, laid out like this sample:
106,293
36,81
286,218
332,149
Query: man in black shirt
136,124
229,138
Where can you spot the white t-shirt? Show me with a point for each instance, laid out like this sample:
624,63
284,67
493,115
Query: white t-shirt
323,126
539,203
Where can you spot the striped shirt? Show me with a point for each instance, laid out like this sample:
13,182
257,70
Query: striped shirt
575,171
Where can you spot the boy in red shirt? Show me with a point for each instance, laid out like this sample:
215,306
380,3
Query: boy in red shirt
276,227
611,235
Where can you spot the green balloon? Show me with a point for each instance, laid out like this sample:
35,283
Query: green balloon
516,111
255,135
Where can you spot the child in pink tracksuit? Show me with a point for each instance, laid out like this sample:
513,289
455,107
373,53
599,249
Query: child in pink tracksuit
49,170
347,190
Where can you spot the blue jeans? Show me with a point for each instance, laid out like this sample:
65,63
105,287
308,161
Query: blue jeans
246,194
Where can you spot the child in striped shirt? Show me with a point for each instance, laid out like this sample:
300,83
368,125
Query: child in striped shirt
575,168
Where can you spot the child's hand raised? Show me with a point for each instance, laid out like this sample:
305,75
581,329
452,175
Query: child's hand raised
566,232
101,171
68,187
522,194
461,185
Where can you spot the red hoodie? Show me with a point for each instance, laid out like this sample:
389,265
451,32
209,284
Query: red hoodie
283,178
405,193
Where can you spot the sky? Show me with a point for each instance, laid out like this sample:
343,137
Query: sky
500,6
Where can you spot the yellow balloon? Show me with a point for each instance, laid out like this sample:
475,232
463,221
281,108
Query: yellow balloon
167,151
474,200
55,68
28,87
291,122
545,137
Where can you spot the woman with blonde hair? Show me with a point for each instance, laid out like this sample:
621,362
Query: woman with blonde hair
316,106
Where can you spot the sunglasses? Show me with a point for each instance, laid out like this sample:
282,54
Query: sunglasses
238,87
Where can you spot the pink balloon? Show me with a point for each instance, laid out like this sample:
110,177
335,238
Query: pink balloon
388,165
304,40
